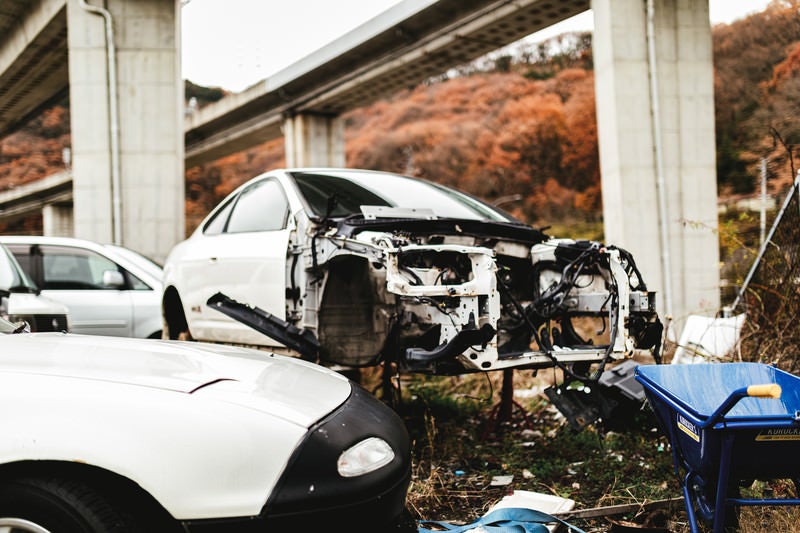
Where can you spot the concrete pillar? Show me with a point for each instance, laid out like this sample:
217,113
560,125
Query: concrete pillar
57,220
132,195
656,130
314,140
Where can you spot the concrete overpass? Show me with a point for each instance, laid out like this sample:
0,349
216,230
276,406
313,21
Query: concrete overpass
407,44
653,84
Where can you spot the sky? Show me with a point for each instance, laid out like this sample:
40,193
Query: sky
235,43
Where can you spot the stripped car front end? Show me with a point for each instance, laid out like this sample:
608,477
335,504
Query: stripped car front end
375,275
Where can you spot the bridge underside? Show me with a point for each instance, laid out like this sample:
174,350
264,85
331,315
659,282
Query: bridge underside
33,58
396,51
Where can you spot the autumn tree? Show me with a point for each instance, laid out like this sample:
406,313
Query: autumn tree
745,54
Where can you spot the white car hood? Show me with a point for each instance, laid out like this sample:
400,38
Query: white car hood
286,387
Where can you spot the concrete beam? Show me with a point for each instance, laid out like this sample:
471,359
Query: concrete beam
655,113
314,141
32,197
57,220
128,169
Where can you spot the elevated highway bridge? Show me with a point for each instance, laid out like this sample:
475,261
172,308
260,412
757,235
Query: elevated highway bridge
119,64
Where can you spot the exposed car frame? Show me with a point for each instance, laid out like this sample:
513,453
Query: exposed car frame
368,280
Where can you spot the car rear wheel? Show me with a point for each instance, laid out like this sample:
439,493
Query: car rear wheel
35,505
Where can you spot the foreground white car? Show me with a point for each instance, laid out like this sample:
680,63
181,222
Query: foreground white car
105,434
356,267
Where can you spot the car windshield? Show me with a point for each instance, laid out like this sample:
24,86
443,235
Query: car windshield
345,192
145,263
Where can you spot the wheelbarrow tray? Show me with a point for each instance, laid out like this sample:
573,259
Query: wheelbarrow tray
765,433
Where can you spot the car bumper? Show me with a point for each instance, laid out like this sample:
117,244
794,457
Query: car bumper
311,495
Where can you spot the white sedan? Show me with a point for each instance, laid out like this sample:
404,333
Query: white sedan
105,434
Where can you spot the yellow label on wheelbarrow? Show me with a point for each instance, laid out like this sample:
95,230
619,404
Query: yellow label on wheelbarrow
778,434
689,428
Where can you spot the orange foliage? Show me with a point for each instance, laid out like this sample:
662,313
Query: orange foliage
493,135
787,69
747,53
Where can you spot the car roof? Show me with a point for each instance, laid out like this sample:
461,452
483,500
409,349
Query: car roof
46,239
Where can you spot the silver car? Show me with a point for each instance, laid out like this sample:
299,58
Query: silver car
108,289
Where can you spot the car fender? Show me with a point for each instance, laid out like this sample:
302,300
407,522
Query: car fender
153,410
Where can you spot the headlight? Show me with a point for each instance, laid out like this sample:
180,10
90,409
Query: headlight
357,456
366,456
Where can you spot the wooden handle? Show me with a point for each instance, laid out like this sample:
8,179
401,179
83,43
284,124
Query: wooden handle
771,390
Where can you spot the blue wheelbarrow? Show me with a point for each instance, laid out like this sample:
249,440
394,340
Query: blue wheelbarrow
728,425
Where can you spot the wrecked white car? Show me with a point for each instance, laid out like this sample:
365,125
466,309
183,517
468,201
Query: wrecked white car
357,267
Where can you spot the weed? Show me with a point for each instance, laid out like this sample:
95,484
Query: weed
466,458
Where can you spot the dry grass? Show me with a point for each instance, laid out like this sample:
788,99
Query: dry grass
460,444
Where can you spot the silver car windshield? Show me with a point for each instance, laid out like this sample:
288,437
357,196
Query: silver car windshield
345,192
147,264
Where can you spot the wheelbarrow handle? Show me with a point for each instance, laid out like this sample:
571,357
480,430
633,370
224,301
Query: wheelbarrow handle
768,390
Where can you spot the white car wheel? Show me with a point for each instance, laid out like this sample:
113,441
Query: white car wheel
17,525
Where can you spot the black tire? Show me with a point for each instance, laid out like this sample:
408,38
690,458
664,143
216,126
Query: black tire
174,320
34,505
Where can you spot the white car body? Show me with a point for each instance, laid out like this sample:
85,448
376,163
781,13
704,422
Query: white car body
200,432
355,267
125,303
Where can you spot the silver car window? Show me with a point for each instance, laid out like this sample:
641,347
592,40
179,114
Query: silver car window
73,268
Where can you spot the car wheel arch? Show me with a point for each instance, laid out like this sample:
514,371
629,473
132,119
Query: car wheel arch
126,495
175,325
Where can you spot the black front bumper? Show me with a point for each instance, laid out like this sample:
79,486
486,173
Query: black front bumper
312,496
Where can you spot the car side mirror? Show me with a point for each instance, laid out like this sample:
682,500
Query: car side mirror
113,278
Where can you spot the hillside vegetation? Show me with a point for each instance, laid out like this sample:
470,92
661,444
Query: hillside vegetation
519,123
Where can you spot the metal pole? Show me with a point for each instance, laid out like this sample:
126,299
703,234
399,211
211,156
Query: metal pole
766,242
660,183
763,200
113,104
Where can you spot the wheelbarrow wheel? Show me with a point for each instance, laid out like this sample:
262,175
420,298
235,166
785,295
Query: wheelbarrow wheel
704,502
702,499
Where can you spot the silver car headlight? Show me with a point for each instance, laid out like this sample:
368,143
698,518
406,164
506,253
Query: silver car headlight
367,456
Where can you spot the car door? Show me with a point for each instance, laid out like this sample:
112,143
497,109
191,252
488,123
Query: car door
243,255
93,288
